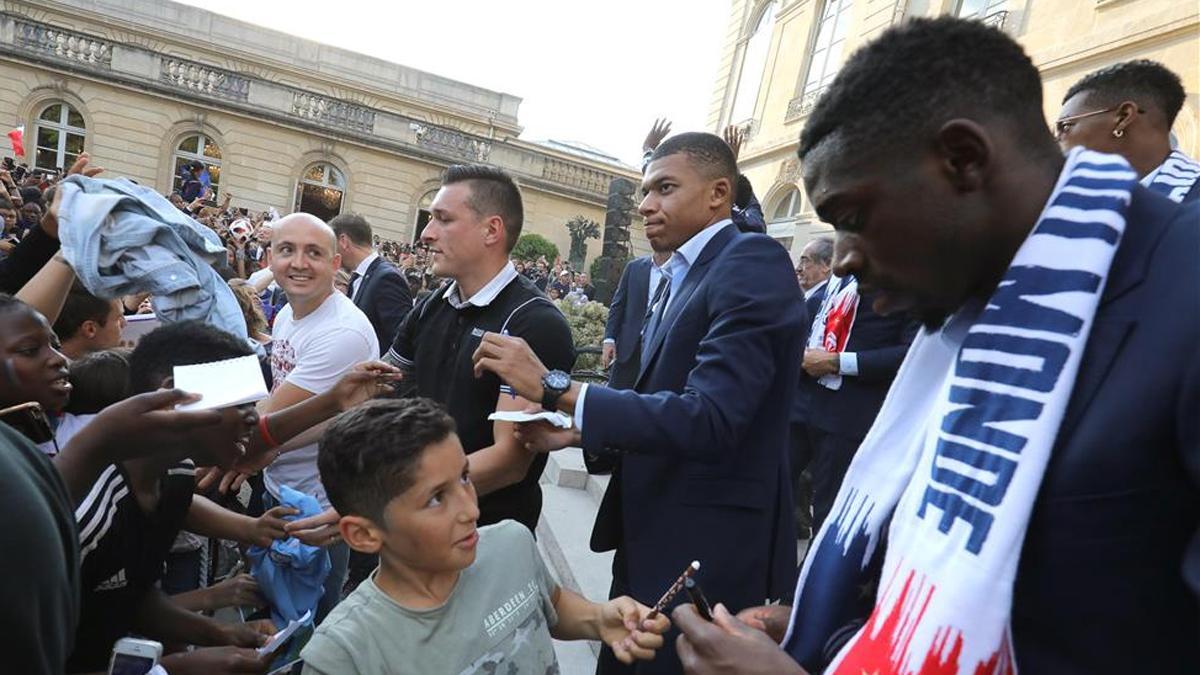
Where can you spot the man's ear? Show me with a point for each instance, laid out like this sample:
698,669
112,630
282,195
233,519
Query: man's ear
721,191
167,383
1127,114
361,534
88,329
965,152
494,231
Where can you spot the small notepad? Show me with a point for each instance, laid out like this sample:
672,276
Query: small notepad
222,384
556,418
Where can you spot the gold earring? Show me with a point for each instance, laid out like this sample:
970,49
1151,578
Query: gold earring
1117,133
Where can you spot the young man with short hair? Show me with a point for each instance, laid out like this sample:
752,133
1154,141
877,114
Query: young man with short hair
476,220
448,596
88,324
1128,109
376,286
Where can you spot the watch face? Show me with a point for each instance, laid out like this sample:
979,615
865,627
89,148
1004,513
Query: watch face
557,379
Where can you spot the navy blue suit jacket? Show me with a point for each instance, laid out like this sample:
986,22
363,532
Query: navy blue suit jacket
625,315
702,440
385,298
1193,194
1103,582
881,343
800,405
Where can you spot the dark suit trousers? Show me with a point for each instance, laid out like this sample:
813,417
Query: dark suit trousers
831,455
802,487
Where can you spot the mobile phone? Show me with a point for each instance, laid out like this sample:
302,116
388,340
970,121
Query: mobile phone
30,420
698,599
134,656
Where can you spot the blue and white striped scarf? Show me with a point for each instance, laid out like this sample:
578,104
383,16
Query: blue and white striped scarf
1175,177
950,470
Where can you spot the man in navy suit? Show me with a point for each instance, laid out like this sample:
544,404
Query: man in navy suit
812,272
376,286
932,192
702,439
850,383
626,316
1128,109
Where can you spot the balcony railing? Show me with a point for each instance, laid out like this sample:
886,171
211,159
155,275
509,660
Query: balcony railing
202,79
63,45
450,142
332,112
996,19
802,105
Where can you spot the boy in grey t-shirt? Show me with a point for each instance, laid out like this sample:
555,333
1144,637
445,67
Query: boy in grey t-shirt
447,597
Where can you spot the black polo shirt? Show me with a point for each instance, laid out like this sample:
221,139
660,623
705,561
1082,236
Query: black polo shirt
435,345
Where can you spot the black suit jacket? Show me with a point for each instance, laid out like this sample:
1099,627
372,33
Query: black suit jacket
384,296
702,439
881,343
625,316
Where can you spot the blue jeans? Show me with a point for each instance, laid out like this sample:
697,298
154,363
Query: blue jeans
339,559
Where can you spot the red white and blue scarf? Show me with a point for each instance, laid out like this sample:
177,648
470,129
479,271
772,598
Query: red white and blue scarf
1175,177
949,472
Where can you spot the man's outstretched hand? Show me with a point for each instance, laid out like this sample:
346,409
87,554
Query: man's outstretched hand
734,137
364,382
144,424
657,133
727,646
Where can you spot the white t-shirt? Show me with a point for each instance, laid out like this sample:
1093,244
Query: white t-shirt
313,353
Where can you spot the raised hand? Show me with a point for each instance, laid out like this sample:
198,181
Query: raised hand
734,137
625,628
657,133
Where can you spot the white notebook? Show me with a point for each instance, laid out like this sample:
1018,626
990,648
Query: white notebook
222,384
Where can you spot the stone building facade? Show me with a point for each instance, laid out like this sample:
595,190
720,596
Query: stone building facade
779,55
147,85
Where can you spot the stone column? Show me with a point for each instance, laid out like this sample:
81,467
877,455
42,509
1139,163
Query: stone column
615,252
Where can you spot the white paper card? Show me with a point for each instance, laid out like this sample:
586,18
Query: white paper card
282,636
556,418
222,384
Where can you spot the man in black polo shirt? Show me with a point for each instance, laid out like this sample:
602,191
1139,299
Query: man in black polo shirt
476,219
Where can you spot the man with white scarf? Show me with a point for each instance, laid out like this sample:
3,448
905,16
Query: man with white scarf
1027,498
1128,109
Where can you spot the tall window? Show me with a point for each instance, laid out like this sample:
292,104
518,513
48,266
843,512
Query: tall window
978,9
754,63
198,148
59,136
828,46
788,205
321,190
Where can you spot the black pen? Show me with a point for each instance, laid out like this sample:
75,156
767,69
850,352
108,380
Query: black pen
698,599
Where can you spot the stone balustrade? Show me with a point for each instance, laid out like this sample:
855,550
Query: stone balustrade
576,175
454,143
47,40
332,112
205,80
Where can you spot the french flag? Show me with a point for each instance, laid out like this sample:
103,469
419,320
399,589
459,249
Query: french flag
17,138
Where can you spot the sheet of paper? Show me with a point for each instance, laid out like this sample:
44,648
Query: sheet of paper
222,384
282,636
556,418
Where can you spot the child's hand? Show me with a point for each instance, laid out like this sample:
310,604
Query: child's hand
269,526
625,628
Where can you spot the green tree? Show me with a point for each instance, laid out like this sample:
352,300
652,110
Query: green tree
531,246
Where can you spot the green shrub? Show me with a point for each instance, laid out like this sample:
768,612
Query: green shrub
587,329
532,246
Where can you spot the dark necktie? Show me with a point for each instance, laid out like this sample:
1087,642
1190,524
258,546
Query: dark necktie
350,287
654,314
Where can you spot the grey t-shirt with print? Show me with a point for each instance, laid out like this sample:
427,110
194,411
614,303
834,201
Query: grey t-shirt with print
497,620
